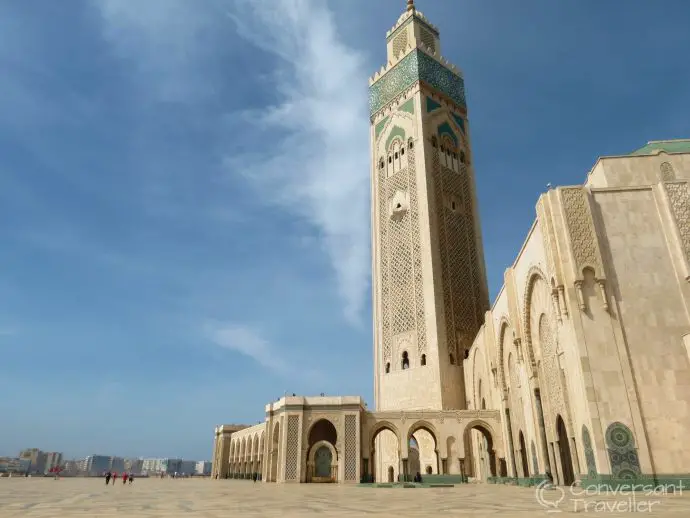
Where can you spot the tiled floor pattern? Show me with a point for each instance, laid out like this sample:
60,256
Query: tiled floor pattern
66,498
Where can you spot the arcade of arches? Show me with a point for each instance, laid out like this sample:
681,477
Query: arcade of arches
335,439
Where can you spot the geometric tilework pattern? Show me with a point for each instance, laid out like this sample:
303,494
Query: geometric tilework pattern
462,292
416,66
402,302
292,455
416,253
620,443
589,452
350,447
679,197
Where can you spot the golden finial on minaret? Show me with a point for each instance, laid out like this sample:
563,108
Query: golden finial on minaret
410,5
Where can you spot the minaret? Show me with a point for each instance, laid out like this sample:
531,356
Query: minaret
429,279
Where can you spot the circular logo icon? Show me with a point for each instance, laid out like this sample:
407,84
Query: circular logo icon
549,496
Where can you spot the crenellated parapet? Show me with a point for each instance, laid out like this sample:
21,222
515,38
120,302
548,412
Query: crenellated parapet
407,17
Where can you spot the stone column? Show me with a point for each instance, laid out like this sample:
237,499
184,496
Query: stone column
404,470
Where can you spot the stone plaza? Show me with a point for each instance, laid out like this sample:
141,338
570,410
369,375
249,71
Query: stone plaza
168,498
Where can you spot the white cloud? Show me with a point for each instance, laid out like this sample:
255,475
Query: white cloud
248,342
317,164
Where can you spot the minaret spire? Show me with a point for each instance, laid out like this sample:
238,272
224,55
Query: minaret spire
410,5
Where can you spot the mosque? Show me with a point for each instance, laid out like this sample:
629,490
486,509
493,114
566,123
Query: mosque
579,371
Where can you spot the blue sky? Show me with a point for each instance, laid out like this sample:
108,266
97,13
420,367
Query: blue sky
184,190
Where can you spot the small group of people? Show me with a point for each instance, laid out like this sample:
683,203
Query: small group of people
113,476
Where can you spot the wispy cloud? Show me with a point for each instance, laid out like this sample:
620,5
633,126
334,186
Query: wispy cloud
317,164
248,342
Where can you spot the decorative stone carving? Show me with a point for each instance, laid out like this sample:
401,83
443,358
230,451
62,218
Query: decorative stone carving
580,225
666,172
679,199
292,455
462,291
350,447
548,238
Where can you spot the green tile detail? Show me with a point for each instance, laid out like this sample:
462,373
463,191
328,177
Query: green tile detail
460,121
380,126
397,131
431,105
416,66
447,130
408,106
670,146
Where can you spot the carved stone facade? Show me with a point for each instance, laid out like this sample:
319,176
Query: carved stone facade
603,326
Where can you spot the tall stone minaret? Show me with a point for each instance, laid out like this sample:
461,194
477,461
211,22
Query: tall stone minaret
429,279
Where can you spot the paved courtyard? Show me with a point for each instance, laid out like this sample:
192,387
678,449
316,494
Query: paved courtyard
47,498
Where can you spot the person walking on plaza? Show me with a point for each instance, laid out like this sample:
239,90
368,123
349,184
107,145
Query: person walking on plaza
124,478
131,478
114,477
107,477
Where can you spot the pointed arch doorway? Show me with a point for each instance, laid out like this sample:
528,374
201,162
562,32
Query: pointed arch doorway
564,450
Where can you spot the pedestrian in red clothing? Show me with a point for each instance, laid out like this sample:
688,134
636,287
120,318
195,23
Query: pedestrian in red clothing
124,478
114,477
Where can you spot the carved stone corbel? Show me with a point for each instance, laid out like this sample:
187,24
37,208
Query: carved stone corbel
580,295
517,342
561,298
556,304
602,291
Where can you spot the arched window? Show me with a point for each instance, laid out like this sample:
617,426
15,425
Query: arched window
388,367
390,159
402,151
405,361
452,359
423,359
396,155
410,145
434,142
382,164
467,353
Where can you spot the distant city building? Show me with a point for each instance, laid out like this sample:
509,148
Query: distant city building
188,467
95,464
165,465
117,464
53,460
14,465
203,467
71,468
36,458
134,465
